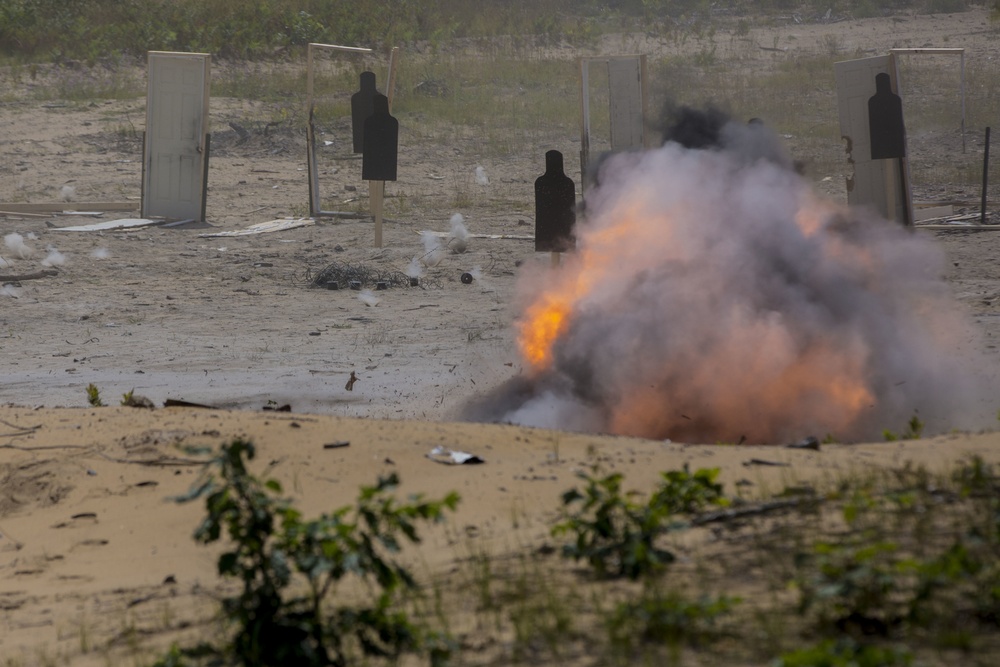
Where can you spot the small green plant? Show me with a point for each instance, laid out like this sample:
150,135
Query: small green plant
853,587
542,614
94,396
271,548
616,533
914,431
976,478
844,652
613,532
684,493
670,619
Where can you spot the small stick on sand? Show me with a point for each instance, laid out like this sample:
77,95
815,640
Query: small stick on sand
17,543
14,278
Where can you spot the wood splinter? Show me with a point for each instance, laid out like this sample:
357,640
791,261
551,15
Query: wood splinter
15,278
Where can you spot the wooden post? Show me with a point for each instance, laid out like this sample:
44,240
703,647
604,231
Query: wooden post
889,171
376,189
961,84
390,80
376,192
584,118
986,177
643,74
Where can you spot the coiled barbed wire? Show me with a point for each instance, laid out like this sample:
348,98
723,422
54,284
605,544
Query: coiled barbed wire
344,273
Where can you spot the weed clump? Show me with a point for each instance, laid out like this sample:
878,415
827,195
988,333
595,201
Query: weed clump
271,548
94,396
617,534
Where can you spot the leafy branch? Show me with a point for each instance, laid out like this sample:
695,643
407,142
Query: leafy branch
272,546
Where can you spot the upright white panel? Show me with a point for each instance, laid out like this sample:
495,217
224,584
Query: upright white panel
625,83
875,183
176,135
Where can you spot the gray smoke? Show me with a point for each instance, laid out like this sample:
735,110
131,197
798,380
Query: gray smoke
714,296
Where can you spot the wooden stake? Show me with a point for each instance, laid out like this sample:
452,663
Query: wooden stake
390,85
986,177
376,192
889,171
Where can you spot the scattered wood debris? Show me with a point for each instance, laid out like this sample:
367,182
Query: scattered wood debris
350,382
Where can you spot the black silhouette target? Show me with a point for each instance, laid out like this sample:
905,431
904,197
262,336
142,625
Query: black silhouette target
555,207
378,161
362,106
885,121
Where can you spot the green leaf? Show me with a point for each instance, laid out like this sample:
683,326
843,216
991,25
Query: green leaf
196,491
228,563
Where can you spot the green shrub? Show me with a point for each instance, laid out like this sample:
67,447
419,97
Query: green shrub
94,396
616,534
271,547
853,586
914,430
670,619
844,653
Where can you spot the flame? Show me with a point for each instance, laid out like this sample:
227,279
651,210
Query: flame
826,379
549,316
809,218
545,321
826,382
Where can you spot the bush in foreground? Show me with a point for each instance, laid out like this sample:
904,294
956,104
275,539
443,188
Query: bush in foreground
272,549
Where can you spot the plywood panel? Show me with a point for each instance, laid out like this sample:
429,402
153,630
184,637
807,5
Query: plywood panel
625,83
874,183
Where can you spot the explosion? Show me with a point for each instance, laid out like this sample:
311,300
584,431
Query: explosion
713,296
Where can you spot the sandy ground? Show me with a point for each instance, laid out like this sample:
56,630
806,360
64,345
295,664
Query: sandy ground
88,543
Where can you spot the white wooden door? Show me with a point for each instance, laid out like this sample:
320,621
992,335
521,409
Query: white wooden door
176,135
625,84
875,183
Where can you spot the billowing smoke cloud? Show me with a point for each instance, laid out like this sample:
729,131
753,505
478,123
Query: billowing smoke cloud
714,296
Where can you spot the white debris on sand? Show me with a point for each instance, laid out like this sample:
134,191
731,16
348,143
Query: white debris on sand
367,297
433,251
15,243
481,177
459,237
414,270
54,258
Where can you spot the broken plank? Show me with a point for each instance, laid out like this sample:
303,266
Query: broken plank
264,227
15,278
20,214
126,223
929,213
59,207
962,228
518,237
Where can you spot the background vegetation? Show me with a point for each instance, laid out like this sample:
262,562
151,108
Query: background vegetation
93,29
